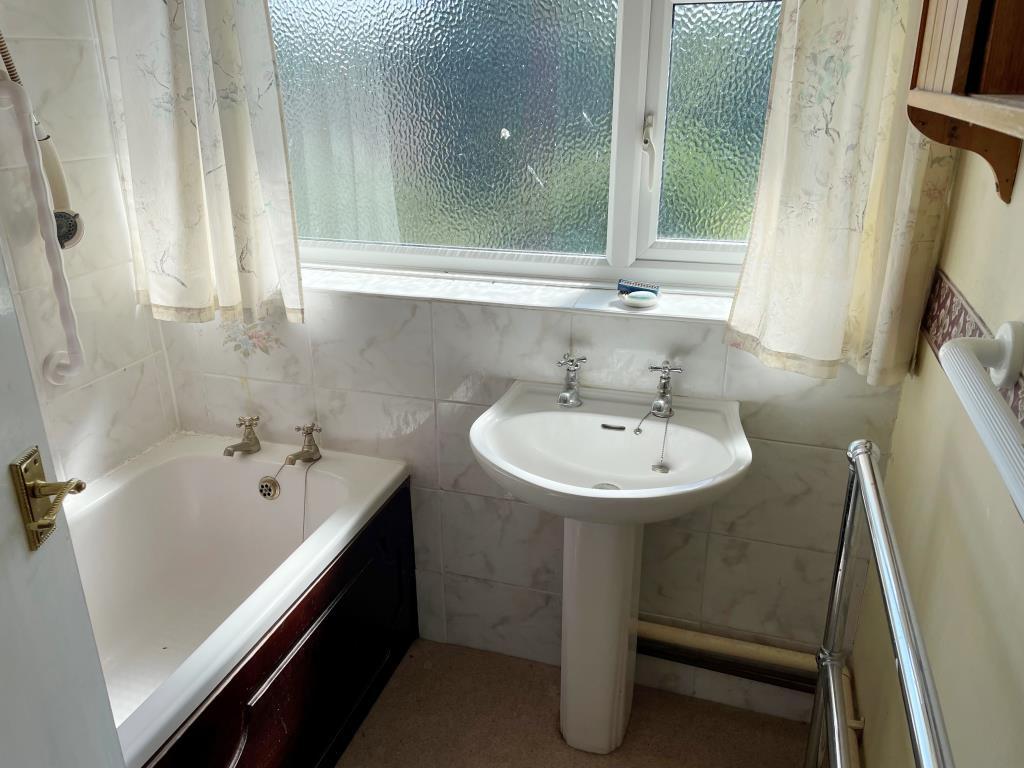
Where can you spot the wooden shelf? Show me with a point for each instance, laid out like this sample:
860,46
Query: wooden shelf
1004,114
968,83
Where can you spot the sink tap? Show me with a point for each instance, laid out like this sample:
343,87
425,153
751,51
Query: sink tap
310,451
250,443
662,405
570,396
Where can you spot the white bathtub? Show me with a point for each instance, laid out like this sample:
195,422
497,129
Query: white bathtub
185,566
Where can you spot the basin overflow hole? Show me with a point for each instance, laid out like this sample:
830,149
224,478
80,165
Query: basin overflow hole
614,427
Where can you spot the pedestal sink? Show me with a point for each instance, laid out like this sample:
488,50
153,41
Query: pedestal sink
589,466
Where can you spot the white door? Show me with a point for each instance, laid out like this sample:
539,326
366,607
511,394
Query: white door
54,711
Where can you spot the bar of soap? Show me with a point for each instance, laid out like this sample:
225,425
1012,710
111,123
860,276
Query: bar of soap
639,299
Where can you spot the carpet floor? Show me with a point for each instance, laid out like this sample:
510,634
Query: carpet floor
453,707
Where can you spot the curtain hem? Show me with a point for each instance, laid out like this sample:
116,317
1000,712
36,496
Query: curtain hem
786,361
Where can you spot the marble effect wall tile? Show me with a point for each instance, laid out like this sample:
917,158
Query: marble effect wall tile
505,541
426,530
479,351
672,576
458,469
113,329
190,398
430,605
272,349
789,407
381,425
280,406
498,617
664,675
766,588
752,695
95,192
619,351
371,344
103,424
46,18
792,494
65,84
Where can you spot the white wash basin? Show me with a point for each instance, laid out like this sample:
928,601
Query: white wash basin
586,463
589,466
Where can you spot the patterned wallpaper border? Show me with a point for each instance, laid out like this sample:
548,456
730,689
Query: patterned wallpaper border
949,315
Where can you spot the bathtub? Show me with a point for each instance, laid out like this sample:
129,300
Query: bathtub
185,566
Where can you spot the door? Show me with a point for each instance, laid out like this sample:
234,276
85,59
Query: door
54,711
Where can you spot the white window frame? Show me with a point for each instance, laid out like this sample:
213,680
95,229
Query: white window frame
642,53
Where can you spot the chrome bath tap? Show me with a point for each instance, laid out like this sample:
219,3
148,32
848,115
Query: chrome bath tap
570,396
310,451
250,442
662,405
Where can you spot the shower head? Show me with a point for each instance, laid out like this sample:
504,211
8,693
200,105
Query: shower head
70,228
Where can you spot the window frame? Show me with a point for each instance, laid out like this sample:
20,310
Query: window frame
642,58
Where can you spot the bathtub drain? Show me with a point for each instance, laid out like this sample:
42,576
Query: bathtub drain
270,489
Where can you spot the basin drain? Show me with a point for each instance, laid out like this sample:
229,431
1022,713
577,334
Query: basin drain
607,487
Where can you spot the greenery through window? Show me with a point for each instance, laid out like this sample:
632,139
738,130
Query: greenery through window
488,125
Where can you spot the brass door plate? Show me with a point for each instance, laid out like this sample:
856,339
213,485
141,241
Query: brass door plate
26,470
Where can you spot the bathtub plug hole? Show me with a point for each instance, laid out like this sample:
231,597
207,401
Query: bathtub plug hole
270,489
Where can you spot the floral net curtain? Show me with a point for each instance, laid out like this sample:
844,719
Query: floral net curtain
851,198
199,133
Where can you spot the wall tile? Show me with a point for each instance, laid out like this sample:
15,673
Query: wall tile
371,344
430,605
672,575
789,407
101,425
497,617
190,397
280,407
752,695
426,529
792,494
95,193
766,588
381,425
272,348
501,540
619,351
664,675
113,329
64,82
46,18
458,469
479,351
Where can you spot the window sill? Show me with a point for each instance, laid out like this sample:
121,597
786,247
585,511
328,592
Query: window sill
568,296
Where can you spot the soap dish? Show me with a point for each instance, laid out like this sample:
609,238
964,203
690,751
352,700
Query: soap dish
639,299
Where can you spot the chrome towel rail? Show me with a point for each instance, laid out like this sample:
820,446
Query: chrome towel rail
924,715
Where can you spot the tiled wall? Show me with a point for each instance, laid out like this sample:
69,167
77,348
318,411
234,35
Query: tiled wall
406,378
121,403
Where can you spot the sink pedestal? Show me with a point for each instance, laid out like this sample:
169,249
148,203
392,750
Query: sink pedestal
600,603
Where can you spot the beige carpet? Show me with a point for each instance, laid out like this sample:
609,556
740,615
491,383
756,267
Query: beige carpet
453,707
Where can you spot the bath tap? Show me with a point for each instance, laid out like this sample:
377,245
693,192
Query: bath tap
250,442
662,405
310,450
570,396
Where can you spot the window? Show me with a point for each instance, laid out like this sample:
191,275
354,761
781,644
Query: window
506,136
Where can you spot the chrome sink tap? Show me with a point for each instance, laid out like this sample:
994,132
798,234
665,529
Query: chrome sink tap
662,405
310,451
250,442
569,397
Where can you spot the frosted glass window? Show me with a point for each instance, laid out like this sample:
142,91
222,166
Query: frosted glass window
719,74
449,123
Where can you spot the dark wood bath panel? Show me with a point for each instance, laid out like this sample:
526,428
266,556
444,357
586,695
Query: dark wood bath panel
298,697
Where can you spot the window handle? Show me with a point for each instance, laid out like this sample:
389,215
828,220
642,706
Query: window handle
650,148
